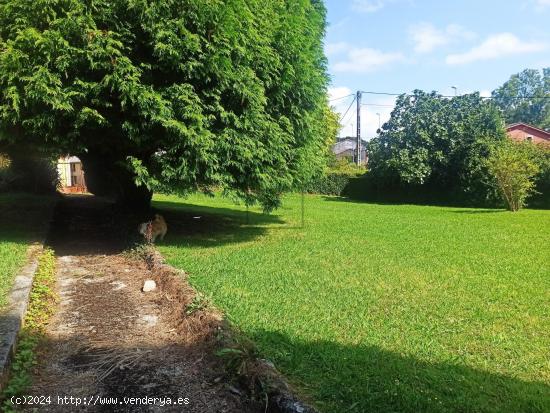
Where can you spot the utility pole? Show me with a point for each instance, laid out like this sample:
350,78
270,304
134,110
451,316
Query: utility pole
358,127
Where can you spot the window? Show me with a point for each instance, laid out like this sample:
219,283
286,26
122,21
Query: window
529,139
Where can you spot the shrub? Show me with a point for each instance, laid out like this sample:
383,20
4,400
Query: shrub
541,199
335,179
514,168
32,174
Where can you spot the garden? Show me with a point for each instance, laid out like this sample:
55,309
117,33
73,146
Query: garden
373,307
417,282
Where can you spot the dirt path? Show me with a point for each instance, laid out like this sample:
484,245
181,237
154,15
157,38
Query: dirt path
110,340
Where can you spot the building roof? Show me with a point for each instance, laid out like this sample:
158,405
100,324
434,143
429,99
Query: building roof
346,144
523,126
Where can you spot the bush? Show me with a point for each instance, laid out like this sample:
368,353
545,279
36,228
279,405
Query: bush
329,184
335,179
7,179
514,168
36,175
540,198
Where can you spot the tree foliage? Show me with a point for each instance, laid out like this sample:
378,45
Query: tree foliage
514,168
437,142
171,94
525,97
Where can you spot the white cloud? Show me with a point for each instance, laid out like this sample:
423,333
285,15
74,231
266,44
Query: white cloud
485,93
367,60
369,113
426,37
495,46
338,92
339,24
332,49
342,105
542,4
368,6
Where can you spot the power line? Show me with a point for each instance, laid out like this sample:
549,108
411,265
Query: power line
343,97
400,94
385,93
376,104
348,119
448,96
349,107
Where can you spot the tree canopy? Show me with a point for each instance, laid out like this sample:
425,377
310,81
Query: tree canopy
170,94
525,97
437,142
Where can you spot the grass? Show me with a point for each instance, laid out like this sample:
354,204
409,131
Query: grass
41,306
23,220
390,308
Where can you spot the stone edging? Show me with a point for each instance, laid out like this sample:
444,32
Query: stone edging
282,399
11,319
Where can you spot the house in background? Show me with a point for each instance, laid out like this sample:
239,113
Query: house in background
71,175
524,132
346,148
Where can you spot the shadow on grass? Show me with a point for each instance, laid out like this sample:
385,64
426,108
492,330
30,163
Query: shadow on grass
466,209
202,226
23,217
369,379
83,224
388,202
24,221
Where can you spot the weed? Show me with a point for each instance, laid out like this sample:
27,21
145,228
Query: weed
200,302
41,307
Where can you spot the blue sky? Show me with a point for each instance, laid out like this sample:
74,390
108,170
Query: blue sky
401,45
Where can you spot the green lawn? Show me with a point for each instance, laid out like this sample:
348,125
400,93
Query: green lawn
23,220
382,308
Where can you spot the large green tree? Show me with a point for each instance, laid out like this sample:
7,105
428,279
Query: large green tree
437,143
525,97
168,94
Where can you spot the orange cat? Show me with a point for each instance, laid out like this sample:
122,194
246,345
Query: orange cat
152,229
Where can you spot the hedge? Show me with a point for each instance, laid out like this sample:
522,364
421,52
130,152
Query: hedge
331,184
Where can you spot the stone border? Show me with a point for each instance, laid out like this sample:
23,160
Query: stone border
11,319
13,315
281,397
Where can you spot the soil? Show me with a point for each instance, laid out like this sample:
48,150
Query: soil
108,339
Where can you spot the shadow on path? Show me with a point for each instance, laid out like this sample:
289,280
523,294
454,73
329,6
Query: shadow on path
109,339
84,224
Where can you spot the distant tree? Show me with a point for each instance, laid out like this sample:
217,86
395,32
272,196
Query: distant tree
514,170
167,94
437,142
525,97
316,157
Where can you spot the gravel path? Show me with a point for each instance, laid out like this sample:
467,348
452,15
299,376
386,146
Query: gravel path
109,341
